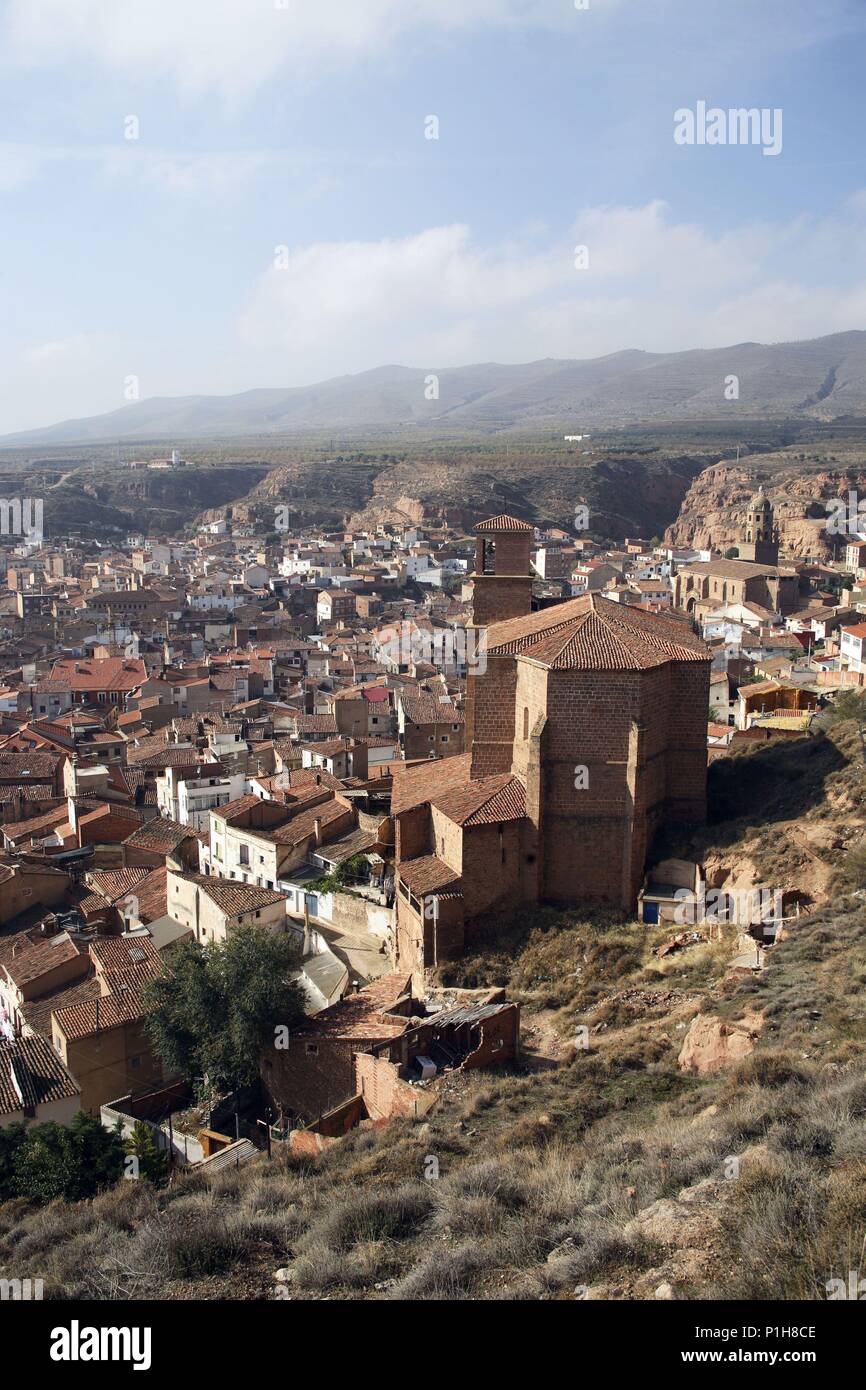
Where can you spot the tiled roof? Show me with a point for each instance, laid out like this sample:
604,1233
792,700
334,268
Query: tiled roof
161,835
28,791
303,825
594,634
28,764
107,673
38,958
316,724
415,786
332,748
356,842
427,873
166,757
489,801
362,1015
39,826
730,569
31,1066
503,523
233,897
37,1012
108,1011
237,807
424,709
122,953
114,884
761,688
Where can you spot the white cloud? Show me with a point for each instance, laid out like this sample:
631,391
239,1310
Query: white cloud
235,45
213,173
437,299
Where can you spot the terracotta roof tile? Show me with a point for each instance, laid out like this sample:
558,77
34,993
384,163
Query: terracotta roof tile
427,873
503,523
593,633
31,1067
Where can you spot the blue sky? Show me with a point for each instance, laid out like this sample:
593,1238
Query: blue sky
263,128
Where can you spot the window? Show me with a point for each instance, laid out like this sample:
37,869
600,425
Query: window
244,854
312,1049
525,721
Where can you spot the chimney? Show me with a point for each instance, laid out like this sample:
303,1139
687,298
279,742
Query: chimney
317,828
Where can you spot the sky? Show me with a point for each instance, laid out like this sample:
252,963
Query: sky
207,196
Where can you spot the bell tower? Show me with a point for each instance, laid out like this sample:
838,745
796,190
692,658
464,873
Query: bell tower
760,543
503,577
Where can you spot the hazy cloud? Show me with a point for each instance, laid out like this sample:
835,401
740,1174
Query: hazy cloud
438,299
235,45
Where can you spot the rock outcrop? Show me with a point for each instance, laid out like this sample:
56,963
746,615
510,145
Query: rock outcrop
712,1044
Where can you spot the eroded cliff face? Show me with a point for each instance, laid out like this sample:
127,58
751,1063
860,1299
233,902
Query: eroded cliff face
713,511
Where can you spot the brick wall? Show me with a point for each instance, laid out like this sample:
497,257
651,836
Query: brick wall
492,699
307,1084
500,596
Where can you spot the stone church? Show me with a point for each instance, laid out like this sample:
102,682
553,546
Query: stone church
753,577
586,725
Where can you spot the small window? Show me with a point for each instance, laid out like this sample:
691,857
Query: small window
312,1049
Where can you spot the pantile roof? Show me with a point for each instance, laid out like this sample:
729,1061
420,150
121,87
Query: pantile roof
31,1074
503,523
593,633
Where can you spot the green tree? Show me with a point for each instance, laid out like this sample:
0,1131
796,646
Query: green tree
216,1008
141,1145
99,1152
72,1162
11,1139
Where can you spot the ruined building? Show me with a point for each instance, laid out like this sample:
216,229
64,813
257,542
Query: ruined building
586,730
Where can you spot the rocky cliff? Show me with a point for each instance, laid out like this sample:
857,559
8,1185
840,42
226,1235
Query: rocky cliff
713,511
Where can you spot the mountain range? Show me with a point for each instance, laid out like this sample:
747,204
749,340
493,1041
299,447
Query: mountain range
821,379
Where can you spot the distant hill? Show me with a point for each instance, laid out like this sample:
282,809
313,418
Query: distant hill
822,379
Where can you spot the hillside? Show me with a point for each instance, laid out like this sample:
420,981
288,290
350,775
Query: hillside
820,379
623,1170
